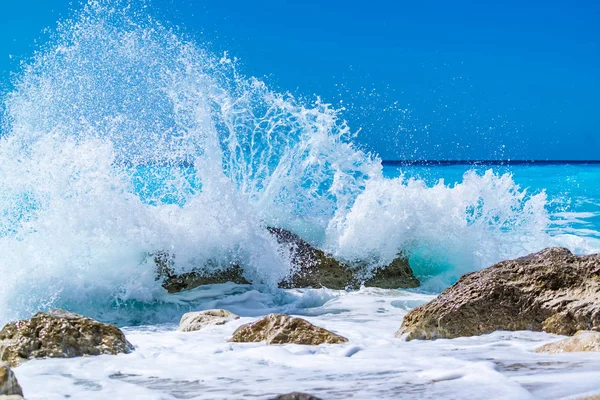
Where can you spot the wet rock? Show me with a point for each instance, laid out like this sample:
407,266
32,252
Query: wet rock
194,321
314,268
396,275
296,396
9,386
59,334
283,329
553,290
582,341
191,280
173,283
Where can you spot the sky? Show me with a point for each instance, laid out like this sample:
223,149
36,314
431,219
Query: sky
429,79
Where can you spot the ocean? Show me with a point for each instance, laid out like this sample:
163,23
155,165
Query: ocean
122,137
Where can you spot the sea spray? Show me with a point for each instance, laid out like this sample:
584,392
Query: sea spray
446,229
123,138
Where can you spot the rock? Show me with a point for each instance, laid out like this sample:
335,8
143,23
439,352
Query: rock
553,290
396,275
582,341
314,268
201,277
173,283
283,329
194,321
296,396
9,386
59,334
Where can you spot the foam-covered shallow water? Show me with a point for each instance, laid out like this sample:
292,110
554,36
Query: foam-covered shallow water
168,364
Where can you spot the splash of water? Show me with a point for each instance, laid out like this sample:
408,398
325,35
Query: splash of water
123,138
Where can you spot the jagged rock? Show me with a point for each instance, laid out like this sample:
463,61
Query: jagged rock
582,341
9,385
553,290
194,321
191,280
59,334
282,329
316,269
173,283
396,275
296,396
312,268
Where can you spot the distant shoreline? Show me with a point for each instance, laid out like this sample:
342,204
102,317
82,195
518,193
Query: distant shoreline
486,162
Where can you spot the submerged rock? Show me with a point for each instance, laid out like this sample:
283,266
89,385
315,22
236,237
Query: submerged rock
9,386
283,329
59,334
582,341
312,267
397,275
191,280
194,321
173,283
296,396
553,290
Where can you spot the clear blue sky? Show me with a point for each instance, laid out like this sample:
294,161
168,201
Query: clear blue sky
422,79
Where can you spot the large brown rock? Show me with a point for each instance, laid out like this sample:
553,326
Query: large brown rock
582,341
9,386
59,334
312,267
283,329
553,290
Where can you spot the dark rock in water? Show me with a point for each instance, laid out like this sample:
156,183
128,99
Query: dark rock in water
553,291
165,270
397,275
316,269
9,386
59,334
283,329
201,277
312,268
296,396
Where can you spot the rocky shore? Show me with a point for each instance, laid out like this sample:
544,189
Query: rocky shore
552,291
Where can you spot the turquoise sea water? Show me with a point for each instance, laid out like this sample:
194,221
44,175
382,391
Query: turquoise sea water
573,189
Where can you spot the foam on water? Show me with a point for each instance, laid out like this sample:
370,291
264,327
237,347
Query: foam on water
168,364
122,138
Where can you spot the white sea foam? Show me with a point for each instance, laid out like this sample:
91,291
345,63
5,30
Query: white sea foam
168,364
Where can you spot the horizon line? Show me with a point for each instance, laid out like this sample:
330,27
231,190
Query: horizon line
488,162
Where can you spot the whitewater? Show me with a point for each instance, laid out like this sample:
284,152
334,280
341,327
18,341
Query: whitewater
123,137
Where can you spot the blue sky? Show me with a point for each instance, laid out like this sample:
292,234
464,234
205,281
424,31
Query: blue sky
428,79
